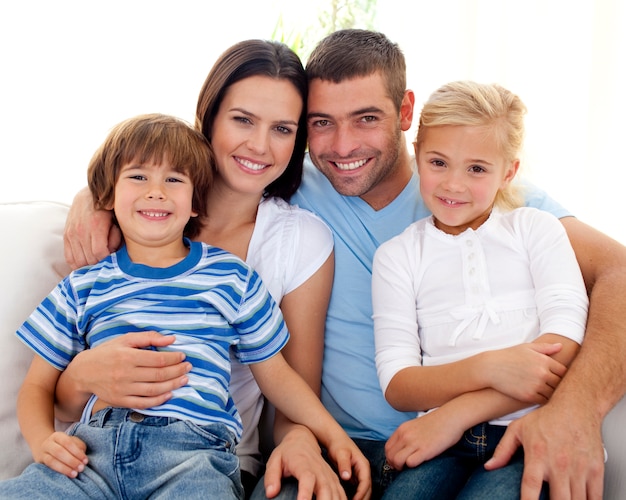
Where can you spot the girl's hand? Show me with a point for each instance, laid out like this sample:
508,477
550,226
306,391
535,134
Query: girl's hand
525,372
422,438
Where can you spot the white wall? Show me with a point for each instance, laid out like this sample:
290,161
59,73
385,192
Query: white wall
71,69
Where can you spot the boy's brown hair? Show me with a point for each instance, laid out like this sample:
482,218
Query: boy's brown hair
153,138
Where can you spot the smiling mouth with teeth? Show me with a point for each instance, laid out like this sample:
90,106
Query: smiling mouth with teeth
353,165
155,215
251,165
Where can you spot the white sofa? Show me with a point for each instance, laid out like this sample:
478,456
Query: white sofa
31,265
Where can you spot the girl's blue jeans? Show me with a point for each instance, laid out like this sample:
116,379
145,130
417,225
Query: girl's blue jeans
458,473
135,456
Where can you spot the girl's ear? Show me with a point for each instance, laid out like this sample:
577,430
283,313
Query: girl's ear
511,172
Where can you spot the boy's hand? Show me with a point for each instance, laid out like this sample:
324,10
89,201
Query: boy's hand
63,453
299,456
352,465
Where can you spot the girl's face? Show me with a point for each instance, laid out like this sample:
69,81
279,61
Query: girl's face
461,170
153,203
254,133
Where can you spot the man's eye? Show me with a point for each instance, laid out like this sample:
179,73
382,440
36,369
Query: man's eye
321,123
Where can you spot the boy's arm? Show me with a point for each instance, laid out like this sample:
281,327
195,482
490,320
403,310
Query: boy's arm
298,453
290,394
571,457
35,411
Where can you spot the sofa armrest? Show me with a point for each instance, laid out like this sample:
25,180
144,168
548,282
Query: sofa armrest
31,264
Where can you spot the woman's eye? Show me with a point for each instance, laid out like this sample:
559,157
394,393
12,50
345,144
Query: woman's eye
283,130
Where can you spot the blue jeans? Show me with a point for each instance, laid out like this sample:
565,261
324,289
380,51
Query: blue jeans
135,456
459,472
456,473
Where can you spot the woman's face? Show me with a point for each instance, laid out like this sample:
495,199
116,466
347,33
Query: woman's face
254,133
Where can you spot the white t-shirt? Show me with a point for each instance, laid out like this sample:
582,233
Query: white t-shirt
287,247
439,298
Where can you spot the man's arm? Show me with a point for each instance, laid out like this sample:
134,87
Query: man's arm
562,440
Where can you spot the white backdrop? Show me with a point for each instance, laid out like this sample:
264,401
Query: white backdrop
72,68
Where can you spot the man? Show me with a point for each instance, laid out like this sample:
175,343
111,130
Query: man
364,187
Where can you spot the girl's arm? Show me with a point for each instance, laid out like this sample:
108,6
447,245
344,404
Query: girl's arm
425,437
35,411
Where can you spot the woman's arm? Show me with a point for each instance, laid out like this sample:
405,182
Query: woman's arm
90,234
123,373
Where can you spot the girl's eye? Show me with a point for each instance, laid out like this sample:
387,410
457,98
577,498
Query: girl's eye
137,177
438,163
477,169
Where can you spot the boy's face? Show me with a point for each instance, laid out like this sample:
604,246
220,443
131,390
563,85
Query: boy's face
356,136
153,203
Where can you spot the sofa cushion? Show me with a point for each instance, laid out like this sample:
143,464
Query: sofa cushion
32,263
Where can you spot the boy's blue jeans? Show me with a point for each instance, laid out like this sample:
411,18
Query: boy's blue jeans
137,456
456,473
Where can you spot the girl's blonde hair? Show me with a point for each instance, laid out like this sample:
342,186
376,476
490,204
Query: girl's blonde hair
484,105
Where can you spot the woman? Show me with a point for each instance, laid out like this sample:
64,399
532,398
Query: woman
252,110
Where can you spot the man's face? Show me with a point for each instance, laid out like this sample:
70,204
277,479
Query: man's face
355,133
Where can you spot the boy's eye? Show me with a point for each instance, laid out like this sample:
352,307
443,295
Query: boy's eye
438,163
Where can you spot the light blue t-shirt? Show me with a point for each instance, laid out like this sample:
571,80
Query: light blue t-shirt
350,387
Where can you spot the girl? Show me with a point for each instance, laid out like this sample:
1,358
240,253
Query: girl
476,276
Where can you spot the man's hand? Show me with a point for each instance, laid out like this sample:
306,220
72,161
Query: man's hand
64,454
90,234
562,447
299,456
123,373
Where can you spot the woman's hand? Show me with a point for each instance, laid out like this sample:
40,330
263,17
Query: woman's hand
123,373
90,234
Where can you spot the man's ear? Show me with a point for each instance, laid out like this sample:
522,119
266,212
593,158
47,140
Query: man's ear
406,110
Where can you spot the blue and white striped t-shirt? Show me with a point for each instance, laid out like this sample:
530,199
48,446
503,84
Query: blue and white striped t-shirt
211,300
